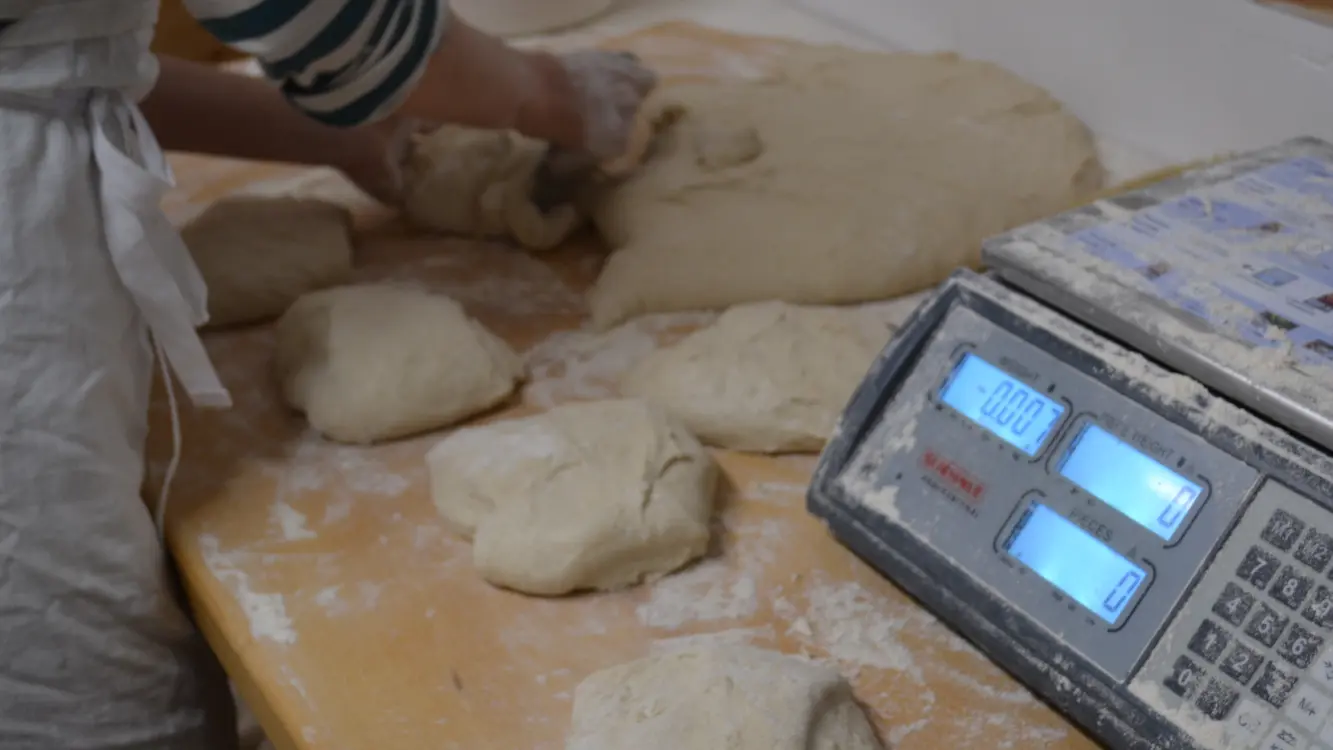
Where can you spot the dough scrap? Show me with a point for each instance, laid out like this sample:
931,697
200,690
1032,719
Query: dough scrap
876,175
767,377
592,495
258,255
478,183
374,362
736,697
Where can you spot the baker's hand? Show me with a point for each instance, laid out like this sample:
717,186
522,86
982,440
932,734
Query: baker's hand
375,154
587,101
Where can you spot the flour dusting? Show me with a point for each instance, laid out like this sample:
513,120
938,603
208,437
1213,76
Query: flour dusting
267,613
291,521
585,364
721,638
854,628
707,592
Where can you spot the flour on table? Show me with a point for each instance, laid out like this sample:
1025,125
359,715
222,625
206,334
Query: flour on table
291,521
849,624
587,364
707,592
718,639
267,613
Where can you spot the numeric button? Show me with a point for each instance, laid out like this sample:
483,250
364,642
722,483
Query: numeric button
1282,530
1234,603
1291,588
1315,550
1258,568
1184,678
1217,700
1209,641
1241,664
1266,626
1320,609
1301,646
1273,685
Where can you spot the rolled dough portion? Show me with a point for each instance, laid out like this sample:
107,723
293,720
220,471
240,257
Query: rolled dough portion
257,255
767,377
373,362
591,495
478,183
739,698
853,176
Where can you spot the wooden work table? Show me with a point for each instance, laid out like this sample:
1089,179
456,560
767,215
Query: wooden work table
349,617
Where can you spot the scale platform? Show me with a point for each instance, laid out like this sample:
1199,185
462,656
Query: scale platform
1105,461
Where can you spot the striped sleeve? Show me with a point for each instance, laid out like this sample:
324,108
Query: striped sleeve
343,62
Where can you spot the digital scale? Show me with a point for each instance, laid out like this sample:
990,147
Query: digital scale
1100,461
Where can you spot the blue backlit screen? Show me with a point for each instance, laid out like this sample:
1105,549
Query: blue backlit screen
1076,562
1112,471
1001,404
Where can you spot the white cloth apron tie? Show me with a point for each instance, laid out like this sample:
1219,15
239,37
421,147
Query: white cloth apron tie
148,253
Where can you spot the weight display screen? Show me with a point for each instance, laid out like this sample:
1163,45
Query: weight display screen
1075,562
1112,471
1001,404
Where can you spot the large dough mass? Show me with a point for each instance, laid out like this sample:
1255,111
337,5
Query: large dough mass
852,176
478,183
738,698
592,495
374,362
768,377
258,255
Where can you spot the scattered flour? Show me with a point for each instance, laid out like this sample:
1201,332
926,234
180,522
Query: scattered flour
585,364
267,613
848,623
290,521
707,592
330,602
733,637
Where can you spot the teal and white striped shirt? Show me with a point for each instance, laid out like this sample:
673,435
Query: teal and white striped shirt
344,62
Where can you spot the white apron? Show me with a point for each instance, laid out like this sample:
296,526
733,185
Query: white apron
95,652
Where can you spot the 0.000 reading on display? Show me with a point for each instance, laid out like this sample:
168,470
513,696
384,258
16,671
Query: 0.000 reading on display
1001,404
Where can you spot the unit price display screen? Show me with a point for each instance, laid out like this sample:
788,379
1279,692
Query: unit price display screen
1112,471
1001,404
1075,562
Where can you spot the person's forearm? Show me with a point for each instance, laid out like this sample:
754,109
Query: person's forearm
198,108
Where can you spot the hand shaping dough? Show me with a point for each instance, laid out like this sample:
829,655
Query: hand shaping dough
592,495
374,362
768,377
258,255
479,183
855,176
738,698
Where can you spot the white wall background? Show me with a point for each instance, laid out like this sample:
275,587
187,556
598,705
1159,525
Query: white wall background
1181,79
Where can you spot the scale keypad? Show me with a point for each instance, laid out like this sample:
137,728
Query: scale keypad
1253,647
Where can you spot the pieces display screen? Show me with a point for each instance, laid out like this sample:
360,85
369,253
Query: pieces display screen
1001,404
1075,562
1112,471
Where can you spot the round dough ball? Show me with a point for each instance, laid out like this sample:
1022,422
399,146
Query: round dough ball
739,698
374,362
591,495
478,183
768,377
257,255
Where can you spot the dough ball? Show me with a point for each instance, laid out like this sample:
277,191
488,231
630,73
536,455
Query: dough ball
854,176
374,362
478,183
258,255
738,698
768,377
591,495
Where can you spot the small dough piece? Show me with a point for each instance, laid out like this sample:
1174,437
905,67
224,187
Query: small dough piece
736,697
478,183
849,177
257,255
374,362
768,377
591,495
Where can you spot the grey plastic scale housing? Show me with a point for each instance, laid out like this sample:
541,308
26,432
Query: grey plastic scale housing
870,489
